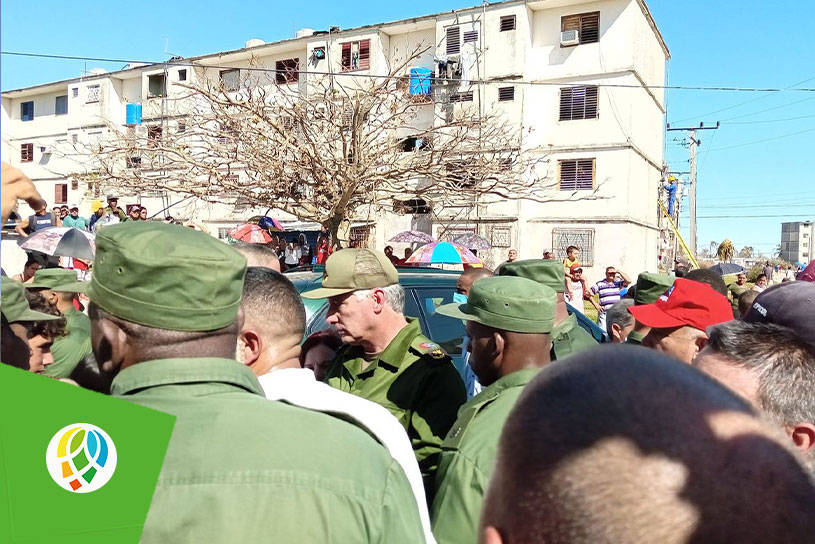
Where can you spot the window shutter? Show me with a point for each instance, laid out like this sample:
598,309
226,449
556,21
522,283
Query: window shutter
364,54
507,23
26,152
591,103
61,193
453,40
346,56
570,22
590,27
576,175
471,36
578,103
506,94
566,104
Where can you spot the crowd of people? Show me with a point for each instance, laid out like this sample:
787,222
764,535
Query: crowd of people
690,426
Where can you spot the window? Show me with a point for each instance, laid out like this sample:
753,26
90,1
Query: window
61,193
93,94
61,105
74,138
576,174
460,175
506,94
75,92
182,75
287,71
182,127
318,53
470,36
356,55
223,232
231,79
74,185
156,85
27,111
582,238
586,24
26,152
416,143
578,103
133,162
448,332
153,136
507,23
412,206
453,40
462,97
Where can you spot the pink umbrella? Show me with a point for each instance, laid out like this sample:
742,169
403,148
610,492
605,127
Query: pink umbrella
251,234
443,253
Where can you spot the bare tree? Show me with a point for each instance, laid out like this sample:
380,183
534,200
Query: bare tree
326,150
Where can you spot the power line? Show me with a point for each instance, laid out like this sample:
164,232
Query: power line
771,120
377,76
762,141
743,217
768,109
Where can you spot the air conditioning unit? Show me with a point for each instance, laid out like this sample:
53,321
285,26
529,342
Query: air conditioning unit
46,149
569,37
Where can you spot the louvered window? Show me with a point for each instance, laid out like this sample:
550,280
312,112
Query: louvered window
507,23
288,71
586,24
471,36
462,97
61,193
506,94
453,40
231,79
356,55
576,175
578,103
26,152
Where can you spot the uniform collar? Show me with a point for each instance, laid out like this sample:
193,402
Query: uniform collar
565,326
396,350
516,379
184,371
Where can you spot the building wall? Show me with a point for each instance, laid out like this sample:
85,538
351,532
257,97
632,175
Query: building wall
796,241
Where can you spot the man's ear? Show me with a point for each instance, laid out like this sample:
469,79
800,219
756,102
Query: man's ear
252,345
378,297
616,331
701,342
491,536
803,436
111,349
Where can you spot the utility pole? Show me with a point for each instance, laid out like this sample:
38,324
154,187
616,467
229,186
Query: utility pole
694,142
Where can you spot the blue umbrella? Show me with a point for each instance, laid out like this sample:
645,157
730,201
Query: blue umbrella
727,268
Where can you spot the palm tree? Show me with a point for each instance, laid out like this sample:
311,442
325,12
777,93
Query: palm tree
726,251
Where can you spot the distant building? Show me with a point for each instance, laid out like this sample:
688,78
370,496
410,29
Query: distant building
796,241
595,103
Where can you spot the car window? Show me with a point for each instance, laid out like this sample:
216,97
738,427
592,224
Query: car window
445,331
316,321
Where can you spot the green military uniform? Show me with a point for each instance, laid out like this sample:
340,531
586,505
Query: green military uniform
239,468
67,350
468,452
413,377
649,287
415,380
14,305
736,291
568,337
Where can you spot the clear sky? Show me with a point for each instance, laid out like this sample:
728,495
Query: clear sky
754,172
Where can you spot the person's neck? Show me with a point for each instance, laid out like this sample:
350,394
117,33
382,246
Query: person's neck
561,311
64,305
388,326
523,357
271,360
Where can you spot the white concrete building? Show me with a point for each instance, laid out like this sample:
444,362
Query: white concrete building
796,241
584,76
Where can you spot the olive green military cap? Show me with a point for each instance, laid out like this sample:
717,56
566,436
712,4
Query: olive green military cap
166,276
651,286
509,304
14,305
348,270
544,271
57,279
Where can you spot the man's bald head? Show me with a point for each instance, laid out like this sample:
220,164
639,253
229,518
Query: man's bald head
469,277
258,255
621,444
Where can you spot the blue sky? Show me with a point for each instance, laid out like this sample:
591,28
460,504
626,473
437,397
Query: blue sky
754,166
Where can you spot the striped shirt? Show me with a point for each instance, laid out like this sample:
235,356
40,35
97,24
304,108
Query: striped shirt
609,292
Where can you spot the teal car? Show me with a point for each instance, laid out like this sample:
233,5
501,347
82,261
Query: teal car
425,290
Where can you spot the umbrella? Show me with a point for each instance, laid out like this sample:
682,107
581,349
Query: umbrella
726,268
443,253
61,242
412,236
271,224
473,241
251,234
808,273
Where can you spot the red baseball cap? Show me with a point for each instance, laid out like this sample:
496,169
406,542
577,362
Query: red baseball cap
686,302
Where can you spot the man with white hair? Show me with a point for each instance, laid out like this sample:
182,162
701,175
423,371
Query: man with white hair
386,358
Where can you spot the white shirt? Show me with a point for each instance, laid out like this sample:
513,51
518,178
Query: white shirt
299,387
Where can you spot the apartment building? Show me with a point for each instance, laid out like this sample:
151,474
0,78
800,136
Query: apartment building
796,241
581,79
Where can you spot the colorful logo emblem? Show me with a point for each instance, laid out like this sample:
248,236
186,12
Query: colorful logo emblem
81,458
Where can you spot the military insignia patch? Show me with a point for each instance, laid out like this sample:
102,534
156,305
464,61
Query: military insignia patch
437,353
428,345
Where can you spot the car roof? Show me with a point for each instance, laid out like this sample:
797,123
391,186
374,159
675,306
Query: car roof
409,277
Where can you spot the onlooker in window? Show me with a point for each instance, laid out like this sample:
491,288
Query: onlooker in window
761,283
73,220
619,321
609,291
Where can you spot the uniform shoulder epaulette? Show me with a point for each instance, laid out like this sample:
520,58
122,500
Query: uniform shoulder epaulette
423,346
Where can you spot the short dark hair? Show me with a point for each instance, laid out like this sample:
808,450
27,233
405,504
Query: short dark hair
761,276
619,314
270,298
746,301
708,277
256,254
568,249
610,268
49,329
783,362
325,337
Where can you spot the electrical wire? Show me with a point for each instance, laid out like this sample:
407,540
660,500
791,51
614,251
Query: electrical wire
771,120
762,141
377,76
